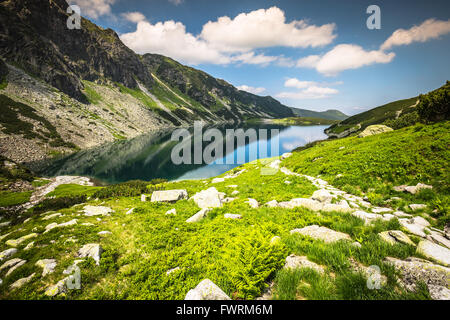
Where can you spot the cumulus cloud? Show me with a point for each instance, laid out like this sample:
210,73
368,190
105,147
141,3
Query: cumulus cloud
94,8
308,90
226,40
343,57
171,39
264,28
134,17
250,89
429,29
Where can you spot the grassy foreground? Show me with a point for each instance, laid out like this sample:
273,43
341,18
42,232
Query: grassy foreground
237,254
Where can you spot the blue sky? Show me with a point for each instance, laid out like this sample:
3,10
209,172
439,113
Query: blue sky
315,55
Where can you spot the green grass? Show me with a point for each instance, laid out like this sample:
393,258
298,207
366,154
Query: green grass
69,190
92,95
3,83
14,198
40,182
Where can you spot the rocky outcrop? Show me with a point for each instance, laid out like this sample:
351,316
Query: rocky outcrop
413,269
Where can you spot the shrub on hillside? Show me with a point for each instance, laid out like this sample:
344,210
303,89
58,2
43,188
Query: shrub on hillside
128,189
54,204
405,120
435,105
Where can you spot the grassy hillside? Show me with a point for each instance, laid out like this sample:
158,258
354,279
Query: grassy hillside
238,255
329,114
375,116
303,121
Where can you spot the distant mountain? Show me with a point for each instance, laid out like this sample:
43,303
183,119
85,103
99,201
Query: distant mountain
329,114
377,115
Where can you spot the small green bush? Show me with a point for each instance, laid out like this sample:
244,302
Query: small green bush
132,188
435,105
58,203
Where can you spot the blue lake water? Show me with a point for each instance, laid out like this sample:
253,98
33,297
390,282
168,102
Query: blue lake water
150,156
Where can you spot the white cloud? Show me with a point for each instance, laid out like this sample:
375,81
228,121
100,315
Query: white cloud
308,62
134,17
170,38
429,29
308,90
309,93
252,58
253,90
295,83
264,28
94,8
343,57
176,2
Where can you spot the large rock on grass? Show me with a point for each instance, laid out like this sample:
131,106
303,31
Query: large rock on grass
169,195
395,236
47,265
373,130
198,216
206,290
434,252
322,233
91,211
92,250
17,242
297,262
7,253
209,198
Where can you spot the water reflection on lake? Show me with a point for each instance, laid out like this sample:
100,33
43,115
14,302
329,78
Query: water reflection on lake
149,156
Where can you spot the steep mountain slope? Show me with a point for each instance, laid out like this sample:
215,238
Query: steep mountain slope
92,89
377,115
329,114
